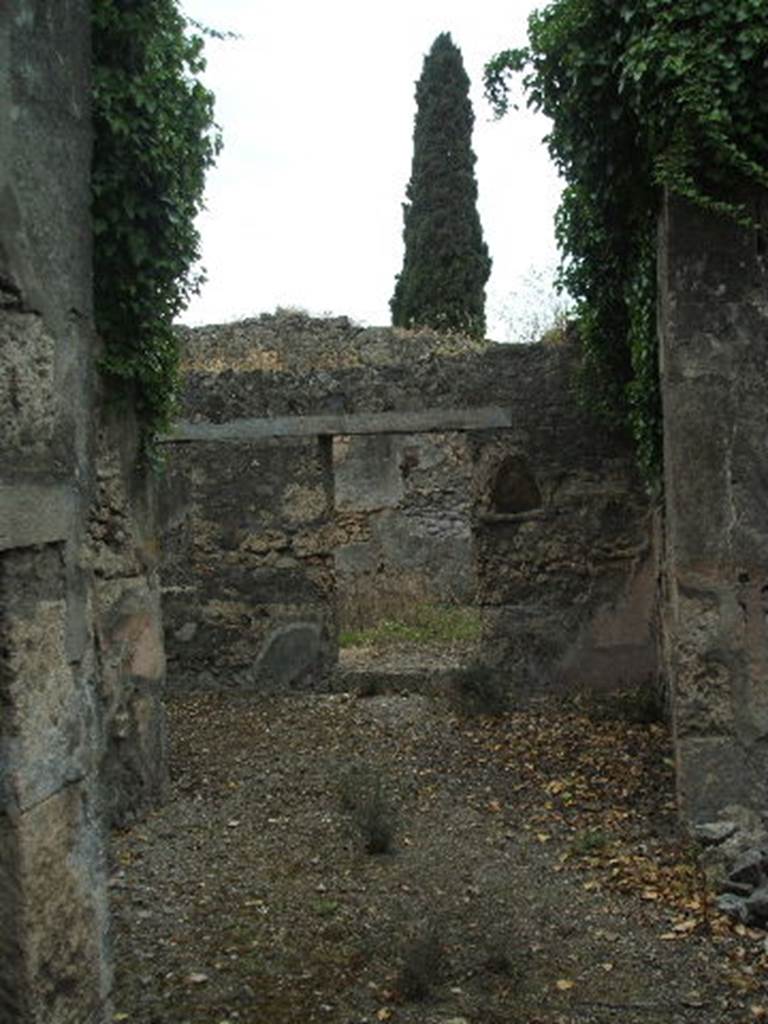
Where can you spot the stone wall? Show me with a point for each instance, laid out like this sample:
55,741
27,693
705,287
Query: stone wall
294,365
564,535
122,554
567,563
403,516
714,329
53,964
524,506
80,645
248,587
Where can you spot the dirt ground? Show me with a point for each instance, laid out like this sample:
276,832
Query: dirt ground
531,873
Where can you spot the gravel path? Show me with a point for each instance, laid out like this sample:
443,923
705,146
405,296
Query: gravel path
531,874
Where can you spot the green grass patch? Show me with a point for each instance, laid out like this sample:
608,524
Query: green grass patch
427,624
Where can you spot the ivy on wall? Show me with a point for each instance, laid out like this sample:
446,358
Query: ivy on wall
155,138
643,95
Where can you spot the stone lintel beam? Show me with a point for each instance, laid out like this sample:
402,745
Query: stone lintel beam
408,422
32,514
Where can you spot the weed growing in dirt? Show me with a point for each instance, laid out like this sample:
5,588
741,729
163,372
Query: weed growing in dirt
422,962
499,963
364,797
502,965
480,690
589,842
325,908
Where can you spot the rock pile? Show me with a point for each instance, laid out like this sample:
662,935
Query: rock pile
735,857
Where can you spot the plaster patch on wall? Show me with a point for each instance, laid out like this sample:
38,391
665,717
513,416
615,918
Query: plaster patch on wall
28,404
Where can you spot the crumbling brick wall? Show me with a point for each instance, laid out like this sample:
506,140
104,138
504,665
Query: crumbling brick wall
566,580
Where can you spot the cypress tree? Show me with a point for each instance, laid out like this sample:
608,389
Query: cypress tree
446,263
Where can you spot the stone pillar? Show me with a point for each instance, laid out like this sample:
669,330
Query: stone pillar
714,369
54,968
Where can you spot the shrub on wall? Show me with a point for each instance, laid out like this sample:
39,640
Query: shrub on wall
643,95
446,263
154,140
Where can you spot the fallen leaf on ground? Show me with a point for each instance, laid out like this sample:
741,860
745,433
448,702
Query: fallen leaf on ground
689,925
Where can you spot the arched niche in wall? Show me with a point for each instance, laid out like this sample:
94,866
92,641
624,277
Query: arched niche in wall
513,487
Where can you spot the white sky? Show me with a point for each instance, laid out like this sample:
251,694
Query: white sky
316,103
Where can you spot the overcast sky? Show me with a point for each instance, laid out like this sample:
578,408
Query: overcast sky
316,103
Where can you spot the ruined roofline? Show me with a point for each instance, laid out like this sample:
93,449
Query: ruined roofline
291,340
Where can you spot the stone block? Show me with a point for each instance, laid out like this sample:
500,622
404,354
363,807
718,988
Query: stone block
367,472
734,906
49,729
712,833
757,906
355,559
291,654
130,639
714,770
129,630
134,769
34,514
749,868
527,645
53,960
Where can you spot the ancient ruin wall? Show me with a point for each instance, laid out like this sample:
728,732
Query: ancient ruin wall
248,587
122,555
567,562
565,572
80,643
261,530
53,965
403,517
714,329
